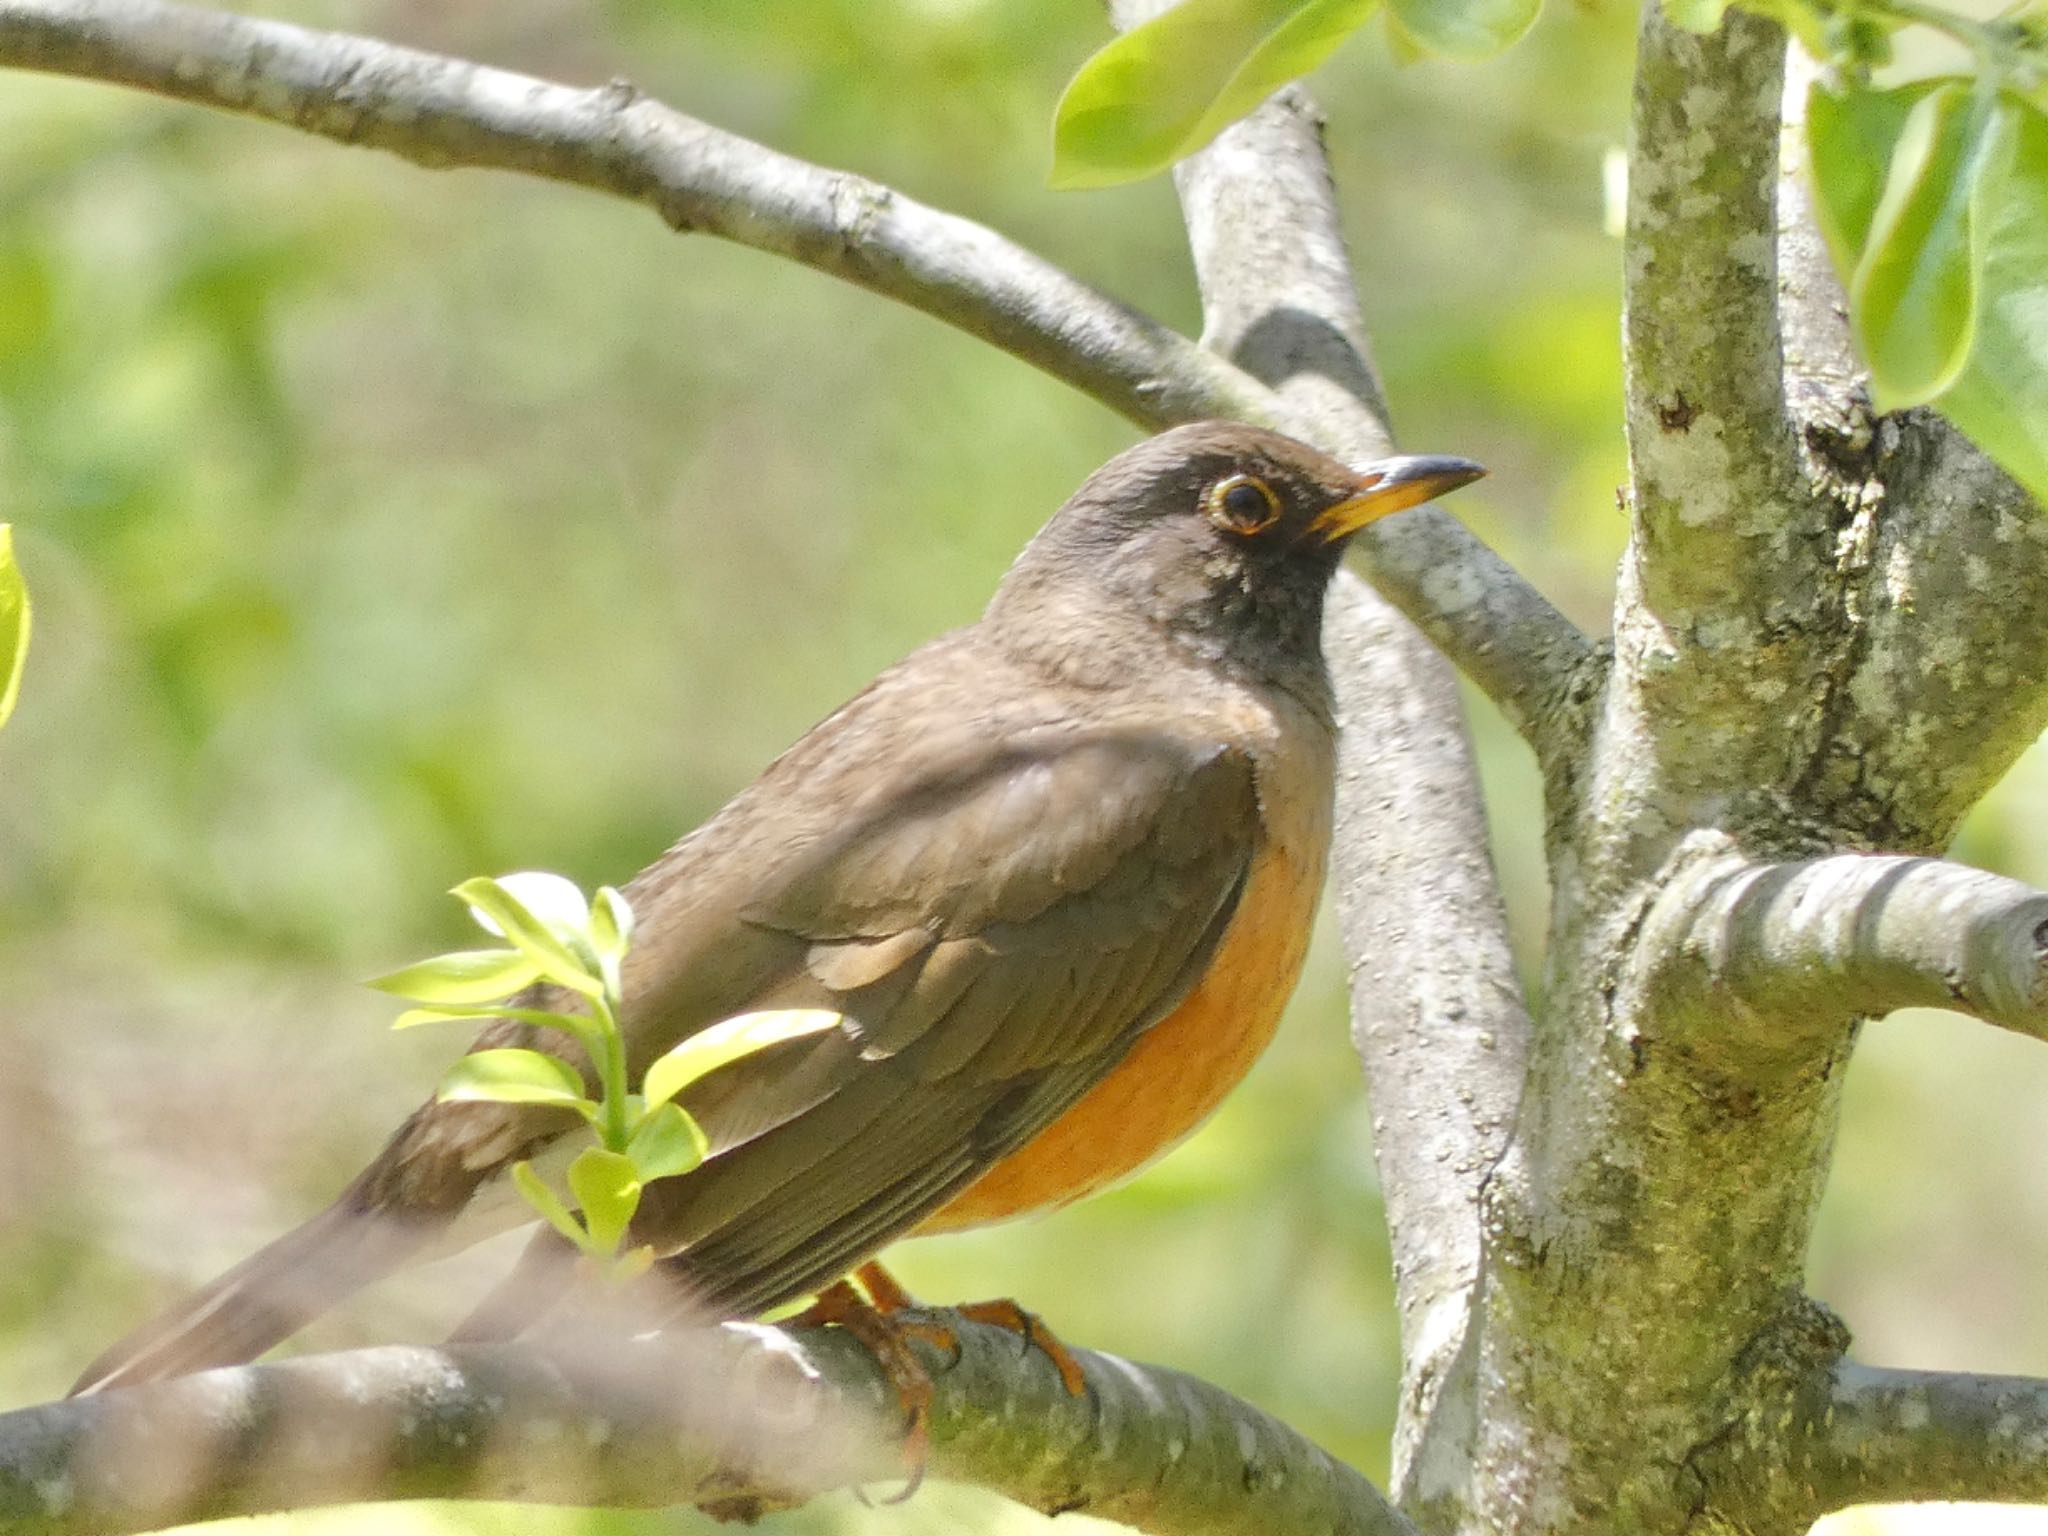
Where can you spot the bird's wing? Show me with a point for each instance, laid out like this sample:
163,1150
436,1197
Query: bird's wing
996,938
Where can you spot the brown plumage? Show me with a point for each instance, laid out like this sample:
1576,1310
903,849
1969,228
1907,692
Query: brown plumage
1056,870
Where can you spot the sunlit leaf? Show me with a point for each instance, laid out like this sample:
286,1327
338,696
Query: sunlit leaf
607,1186
556,901
2000,396
549,1205
500,907
666,1143
1849,138
2001,399
1914,297
513,1076
611,922
1164,89
461,976
1465,29
581,1027
14,623
728,1041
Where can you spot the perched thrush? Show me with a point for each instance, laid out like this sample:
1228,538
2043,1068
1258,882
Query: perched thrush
1055,870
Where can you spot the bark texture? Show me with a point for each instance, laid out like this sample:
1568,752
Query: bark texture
738,1420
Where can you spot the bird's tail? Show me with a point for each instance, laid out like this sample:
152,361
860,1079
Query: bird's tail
264,1299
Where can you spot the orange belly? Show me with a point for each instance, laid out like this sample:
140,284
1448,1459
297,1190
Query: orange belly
1179,1070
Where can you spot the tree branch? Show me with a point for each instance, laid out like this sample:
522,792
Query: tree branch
1709,446
442,112
1859,934
1886,1436
737,1420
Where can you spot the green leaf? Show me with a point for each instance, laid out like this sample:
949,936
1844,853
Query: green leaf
461,976
607,1186
582,1028
2001,399
549,1205
552,899
1914,297
1466,30
1166,88
727,1041
1849,140
666,1143
14,623
1696,15
611,922
513,1076
500,907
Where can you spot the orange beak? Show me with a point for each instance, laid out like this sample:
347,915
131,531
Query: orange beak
1388,485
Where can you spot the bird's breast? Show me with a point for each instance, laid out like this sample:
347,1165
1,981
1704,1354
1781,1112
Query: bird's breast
1181,1068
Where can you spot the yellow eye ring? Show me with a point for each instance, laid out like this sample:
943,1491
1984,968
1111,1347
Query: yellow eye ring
1242,504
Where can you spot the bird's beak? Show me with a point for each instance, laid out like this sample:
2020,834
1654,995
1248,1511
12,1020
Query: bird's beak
1388,485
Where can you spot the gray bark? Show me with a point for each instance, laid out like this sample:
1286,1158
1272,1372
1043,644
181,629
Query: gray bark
738,1420
1830,637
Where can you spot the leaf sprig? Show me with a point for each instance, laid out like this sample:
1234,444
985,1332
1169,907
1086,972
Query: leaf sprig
557,938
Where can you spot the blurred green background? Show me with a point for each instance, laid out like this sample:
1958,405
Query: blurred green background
389,527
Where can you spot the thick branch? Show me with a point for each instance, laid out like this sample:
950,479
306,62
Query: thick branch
1710,452
737,1420
1873,1436
1861,934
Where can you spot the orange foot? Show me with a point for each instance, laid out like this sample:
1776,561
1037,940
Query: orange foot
876,1321
888,1339
890,1297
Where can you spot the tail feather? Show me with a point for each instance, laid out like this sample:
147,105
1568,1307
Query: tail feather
264,1299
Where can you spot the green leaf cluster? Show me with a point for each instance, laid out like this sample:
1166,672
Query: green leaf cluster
556,937
1933,198
1164,89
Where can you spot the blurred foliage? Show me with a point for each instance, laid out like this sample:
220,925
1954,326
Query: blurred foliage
387,527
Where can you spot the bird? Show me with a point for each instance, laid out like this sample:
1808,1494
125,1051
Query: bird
1055,872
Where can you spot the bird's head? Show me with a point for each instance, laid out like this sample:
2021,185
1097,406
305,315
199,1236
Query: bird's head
1223,534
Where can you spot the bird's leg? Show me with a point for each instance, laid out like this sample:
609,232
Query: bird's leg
890,1297
886,1338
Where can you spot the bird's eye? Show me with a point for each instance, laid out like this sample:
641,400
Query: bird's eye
1242,504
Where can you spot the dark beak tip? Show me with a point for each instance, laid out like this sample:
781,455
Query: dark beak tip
1445,471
